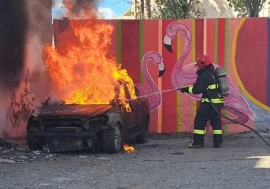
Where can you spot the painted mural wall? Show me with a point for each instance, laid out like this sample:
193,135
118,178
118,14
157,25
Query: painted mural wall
141,46
238,45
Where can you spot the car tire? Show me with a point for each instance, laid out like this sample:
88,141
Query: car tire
144,136
112,139
33,144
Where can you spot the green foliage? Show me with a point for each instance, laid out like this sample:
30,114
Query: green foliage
178,9
250,8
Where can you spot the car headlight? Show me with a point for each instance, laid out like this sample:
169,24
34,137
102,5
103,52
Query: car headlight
96,123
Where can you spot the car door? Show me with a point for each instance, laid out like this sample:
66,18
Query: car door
137,111
124,108
134,113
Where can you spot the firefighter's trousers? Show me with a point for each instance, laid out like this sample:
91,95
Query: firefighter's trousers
204,114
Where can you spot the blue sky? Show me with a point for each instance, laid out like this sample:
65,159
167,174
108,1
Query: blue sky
114,7
111,9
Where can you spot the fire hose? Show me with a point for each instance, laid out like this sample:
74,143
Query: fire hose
239,123
159,92
253,130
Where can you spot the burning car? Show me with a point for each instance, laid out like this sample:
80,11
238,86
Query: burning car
64,127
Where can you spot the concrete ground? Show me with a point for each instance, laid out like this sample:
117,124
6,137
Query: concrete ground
164,162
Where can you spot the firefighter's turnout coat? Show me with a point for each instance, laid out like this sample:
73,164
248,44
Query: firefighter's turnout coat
207,85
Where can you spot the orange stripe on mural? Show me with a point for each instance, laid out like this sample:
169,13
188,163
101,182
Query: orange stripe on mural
160,45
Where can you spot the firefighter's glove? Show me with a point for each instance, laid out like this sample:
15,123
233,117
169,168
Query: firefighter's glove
184,90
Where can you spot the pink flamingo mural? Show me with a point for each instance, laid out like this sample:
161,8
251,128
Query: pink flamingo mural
186,75
151,92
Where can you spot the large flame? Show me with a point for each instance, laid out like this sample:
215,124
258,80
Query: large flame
80,68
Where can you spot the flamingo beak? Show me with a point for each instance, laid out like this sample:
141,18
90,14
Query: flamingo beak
168,43
161,68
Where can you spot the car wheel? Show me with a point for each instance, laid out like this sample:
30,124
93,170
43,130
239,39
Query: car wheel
144,136
33,144
112,139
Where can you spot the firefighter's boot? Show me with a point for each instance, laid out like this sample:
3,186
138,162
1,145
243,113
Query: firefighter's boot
217,140
198,141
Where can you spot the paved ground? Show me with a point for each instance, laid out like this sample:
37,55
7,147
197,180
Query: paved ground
164,162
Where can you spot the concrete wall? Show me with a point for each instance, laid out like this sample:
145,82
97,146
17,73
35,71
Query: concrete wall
23,83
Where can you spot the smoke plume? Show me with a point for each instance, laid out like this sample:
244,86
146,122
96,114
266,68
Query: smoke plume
25,28
39,35
81,8
13,29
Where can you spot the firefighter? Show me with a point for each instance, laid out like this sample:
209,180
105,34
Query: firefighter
207,85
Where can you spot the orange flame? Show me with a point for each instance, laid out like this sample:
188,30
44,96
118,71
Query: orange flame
80,68
128,148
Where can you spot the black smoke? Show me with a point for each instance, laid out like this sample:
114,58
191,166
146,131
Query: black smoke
13,31
80,7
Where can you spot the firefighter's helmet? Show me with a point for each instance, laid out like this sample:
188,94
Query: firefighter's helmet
203,61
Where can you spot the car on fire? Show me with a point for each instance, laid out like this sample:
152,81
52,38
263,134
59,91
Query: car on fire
60,127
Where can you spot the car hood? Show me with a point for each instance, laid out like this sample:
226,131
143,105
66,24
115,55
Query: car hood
90,110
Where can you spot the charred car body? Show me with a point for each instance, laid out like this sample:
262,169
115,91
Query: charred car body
64,127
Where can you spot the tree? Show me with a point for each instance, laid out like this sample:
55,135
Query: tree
178,9
143,9
165,9
250,8
148,8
